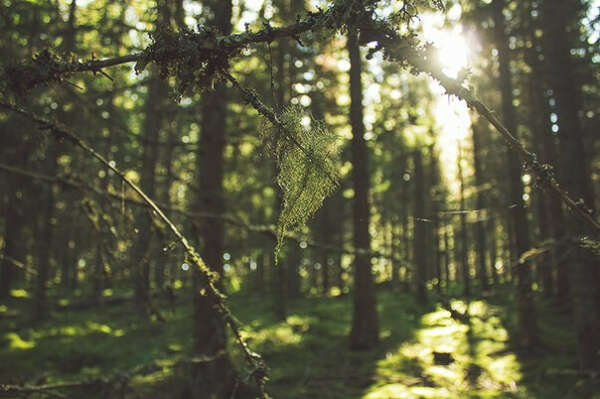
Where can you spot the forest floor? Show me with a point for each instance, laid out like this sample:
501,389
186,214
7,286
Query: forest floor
424,351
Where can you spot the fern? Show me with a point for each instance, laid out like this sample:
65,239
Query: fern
306,173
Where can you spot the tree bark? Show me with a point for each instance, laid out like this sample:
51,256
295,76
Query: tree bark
585,275
141,261
463,253
13,219
528,333
435,194
215,378
550,210
281,278
46,232
491,228
365,330
447,257
420,241
481,204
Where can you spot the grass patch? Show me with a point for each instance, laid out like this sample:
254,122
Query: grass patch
307,354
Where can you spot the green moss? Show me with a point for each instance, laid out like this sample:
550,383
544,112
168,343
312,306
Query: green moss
16,342
19,293
307,355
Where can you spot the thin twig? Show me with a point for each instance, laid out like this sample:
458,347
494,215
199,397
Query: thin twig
19,264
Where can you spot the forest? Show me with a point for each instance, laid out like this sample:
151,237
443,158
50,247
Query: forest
299,199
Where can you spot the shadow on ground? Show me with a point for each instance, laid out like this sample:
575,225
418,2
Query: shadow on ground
424,352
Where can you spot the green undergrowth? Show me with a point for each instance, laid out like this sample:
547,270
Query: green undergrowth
307,355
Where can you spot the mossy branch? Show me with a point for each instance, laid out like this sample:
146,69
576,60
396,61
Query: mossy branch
192,57
60,133
543,172
408,52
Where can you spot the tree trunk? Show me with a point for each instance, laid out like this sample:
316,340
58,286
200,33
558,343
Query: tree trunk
325,283
46,230
141,261
575,177
163,257
435,194
463,253
491,228
365,330
281,279
293,272
395,275
13,219
420,241
549,207
528,334
481,204
406,247
280,288
447,257
214,378
14,211
325,222
261,265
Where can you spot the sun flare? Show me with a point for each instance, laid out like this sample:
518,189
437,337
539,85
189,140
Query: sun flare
453,52
452,115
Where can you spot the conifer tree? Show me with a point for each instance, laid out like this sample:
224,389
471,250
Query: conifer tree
528,334
365,330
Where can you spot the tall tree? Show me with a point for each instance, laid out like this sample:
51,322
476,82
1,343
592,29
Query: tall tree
436,201
550,212
528,334
44,238
280,275
463,248
481,204
365,330
153,120
420,233
558,19
46,227
13,211
214,378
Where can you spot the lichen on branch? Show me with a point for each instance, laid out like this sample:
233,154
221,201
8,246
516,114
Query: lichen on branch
191,58
43,68
305,155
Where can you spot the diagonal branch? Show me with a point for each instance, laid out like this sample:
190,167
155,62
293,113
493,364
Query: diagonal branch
204,46
532,163
19,264
267,230
62,133
422,59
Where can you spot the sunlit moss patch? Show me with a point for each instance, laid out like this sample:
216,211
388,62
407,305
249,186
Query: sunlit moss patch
19,293
16,342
